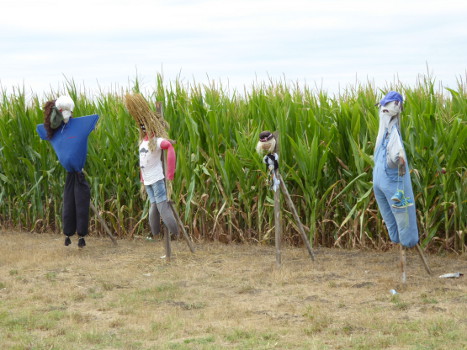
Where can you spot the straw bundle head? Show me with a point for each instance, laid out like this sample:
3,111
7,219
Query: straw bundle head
154,123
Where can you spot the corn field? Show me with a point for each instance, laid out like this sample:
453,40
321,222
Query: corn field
220,190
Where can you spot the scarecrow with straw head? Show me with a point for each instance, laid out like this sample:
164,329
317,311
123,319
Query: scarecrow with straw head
153,140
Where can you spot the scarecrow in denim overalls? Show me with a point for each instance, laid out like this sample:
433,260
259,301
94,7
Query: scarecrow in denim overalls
391,178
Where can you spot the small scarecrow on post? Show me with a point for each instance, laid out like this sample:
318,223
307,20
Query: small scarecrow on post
267,147
155,168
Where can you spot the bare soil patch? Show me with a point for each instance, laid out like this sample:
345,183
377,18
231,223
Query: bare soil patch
223,296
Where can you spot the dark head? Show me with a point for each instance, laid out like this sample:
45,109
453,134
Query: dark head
267,143
265,136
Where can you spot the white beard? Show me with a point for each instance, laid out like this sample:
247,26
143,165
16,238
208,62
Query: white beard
388,116
66,116
266,147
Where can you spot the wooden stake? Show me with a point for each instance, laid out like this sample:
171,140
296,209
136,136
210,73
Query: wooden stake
295,215
99,217
168,248
422,256
168,187
277,223
180,224
403,263
101,220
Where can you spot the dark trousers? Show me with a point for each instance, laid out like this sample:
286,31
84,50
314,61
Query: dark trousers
76,202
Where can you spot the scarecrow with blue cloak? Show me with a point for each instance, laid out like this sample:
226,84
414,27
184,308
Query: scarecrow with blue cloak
391,179
69,139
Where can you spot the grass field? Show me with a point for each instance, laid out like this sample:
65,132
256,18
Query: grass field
223,296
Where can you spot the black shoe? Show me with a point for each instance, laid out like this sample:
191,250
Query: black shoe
67,241
81,242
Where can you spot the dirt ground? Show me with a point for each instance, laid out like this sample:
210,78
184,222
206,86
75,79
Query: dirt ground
223,296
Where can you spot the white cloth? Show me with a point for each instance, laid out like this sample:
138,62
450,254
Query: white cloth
65,105
151,162
389,115
395,149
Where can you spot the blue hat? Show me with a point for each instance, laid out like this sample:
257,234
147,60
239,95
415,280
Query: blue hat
391,96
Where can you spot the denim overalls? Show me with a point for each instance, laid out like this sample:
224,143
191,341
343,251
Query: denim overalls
400,222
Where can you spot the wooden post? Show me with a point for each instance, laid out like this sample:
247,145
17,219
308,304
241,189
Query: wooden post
277,223
169,192
295,215
403,263
167,245
99,217
180,224
422,256
101,220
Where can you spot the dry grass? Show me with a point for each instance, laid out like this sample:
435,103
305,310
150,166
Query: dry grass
223,296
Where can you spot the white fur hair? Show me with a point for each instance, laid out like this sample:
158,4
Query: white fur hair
65,105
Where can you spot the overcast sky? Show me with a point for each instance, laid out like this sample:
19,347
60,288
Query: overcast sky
326,43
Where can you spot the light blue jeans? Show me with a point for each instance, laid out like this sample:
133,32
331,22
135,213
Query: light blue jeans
156,192
400,222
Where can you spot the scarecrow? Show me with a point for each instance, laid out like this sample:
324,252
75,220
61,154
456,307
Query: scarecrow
268,144
268,148
153,139
391,178
69,139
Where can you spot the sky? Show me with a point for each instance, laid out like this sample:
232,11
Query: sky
105,45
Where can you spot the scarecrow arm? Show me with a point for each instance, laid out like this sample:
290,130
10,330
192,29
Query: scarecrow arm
171,160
